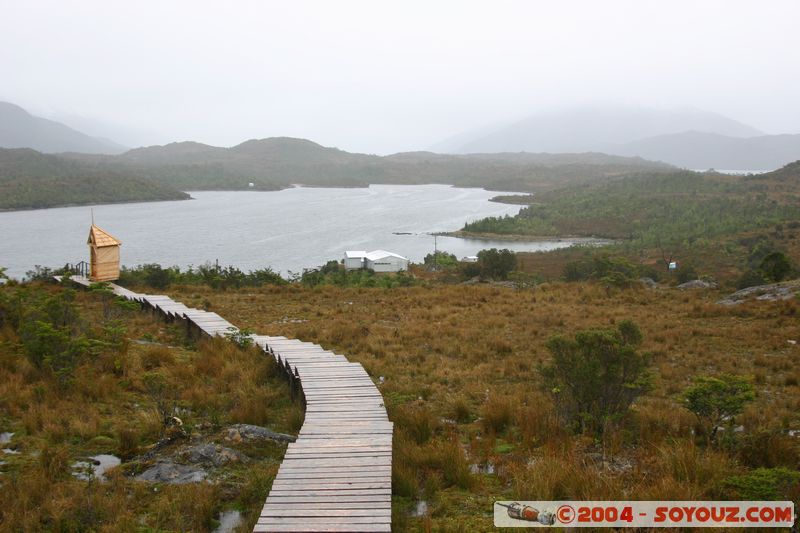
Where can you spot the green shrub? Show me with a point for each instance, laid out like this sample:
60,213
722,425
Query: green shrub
243,338
687,273
751,278
496,264
764,484
611,270
596,377
50,328
440,260
717,400
768,449
776,266
216,277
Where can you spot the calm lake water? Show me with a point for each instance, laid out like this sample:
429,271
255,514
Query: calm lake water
287,230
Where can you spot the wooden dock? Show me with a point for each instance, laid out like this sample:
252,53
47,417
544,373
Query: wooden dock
337,475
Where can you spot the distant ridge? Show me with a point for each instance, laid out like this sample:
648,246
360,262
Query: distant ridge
593,129
687,138
20,129
700,150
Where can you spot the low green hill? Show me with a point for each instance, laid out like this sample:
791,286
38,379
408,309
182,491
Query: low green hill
281,161
656,208
29,180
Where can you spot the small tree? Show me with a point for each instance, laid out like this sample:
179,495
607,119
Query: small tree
595,378
776,266
156,276
440,260
496,264
53,348
716,401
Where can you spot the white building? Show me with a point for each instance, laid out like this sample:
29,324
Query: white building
354,259
469,259
383,261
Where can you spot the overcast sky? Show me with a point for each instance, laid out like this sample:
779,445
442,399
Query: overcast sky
379,76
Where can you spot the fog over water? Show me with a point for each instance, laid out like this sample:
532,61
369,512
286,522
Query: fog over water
386,77
287,230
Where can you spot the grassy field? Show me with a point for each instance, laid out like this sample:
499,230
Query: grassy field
475,418
462,384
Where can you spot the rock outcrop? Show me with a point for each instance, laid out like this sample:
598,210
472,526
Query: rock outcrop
698,284
245,432
773,292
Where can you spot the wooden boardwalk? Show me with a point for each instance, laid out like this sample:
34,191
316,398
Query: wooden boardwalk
337,475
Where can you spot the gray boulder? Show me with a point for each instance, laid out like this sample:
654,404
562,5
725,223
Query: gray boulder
698,284
245,432
650,283
173,473
210,453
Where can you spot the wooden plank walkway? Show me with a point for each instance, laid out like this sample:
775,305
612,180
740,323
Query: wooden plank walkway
337,475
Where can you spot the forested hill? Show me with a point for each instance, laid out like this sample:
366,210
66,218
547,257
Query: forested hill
653,209
29,179
281,161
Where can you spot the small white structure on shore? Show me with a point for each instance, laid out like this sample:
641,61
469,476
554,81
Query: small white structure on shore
377,260
469,259
354,259
383,261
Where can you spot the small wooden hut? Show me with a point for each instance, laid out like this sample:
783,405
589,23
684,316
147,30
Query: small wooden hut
104,255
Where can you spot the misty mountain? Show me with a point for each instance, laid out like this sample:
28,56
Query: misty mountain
123,134
594,129
699,150
20,129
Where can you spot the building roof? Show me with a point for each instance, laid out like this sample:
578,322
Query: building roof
100,238
381,254
355,254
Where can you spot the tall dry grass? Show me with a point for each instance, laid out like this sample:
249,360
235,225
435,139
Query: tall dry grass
108,407
460,365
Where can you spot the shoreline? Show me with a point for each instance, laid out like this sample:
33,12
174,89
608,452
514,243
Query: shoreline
496,199
576,239
91,204
514,199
